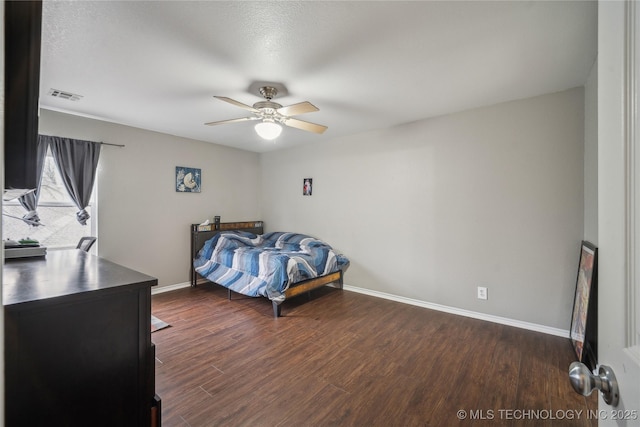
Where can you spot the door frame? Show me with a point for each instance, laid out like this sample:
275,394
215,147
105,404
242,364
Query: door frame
619,201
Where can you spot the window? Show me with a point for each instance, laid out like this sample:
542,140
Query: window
56,211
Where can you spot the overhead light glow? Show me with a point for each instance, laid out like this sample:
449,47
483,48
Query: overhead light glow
268,129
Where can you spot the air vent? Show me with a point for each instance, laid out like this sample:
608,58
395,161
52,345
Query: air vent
64,95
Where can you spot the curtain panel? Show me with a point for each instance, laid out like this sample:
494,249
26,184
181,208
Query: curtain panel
30,201
77,161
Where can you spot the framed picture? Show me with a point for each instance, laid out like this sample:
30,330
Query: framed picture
307,186
188,179
584,321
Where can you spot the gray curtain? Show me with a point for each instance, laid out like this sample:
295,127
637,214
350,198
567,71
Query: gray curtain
30,201
77,162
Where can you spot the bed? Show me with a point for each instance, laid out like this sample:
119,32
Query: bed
276,265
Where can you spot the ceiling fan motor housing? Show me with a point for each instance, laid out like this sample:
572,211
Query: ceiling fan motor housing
268,108
266,104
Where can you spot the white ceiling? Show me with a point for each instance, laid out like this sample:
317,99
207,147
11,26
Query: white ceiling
366,65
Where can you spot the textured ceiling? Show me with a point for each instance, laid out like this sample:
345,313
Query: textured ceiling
365,65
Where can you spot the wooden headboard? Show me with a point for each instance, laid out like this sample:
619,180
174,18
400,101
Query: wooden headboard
201,233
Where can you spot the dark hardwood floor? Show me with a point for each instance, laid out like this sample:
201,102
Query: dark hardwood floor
347,359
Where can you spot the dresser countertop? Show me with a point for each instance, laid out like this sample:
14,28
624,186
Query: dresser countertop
64,273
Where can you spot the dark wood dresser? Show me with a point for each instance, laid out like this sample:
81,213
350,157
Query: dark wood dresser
78,348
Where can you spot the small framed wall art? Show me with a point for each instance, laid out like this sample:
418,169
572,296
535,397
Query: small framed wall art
584,321
307,186
188,179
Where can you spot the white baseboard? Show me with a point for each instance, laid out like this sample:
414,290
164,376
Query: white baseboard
439,307
160,289
461,312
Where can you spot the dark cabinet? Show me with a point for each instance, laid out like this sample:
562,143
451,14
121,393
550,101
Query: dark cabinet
78,347
22,33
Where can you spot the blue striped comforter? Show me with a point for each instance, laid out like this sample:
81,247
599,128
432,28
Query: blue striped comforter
267,264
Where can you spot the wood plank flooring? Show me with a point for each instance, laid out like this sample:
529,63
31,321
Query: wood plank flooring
347,359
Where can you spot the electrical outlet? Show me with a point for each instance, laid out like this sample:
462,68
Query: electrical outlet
483,293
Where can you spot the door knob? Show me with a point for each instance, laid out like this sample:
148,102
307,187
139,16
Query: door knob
584,382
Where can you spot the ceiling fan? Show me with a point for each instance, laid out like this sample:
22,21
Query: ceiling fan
271,115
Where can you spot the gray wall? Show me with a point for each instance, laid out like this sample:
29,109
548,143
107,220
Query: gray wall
591,156
430,210
143,223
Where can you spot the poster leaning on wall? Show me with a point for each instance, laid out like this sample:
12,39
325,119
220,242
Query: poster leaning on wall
584,321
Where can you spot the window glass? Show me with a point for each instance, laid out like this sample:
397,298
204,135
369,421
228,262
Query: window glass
56,211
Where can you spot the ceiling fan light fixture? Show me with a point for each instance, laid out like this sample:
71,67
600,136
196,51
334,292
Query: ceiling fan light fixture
272,116
268,129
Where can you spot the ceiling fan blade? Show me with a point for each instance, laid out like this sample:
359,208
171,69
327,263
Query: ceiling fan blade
241,119
295,109
237,103
301,124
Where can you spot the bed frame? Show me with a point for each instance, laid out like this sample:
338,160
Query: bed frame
201,233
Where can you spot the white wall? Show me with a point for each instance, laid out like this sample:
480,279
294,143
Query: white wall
143,223
432,209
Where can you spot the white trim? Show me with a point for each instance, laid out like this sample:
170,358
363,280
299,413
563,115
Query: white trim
632,241
453,310
461,312
168,288
633,181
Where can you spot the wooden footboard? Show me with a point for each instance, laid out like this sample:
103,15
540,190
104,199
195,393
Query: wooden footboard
307,286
